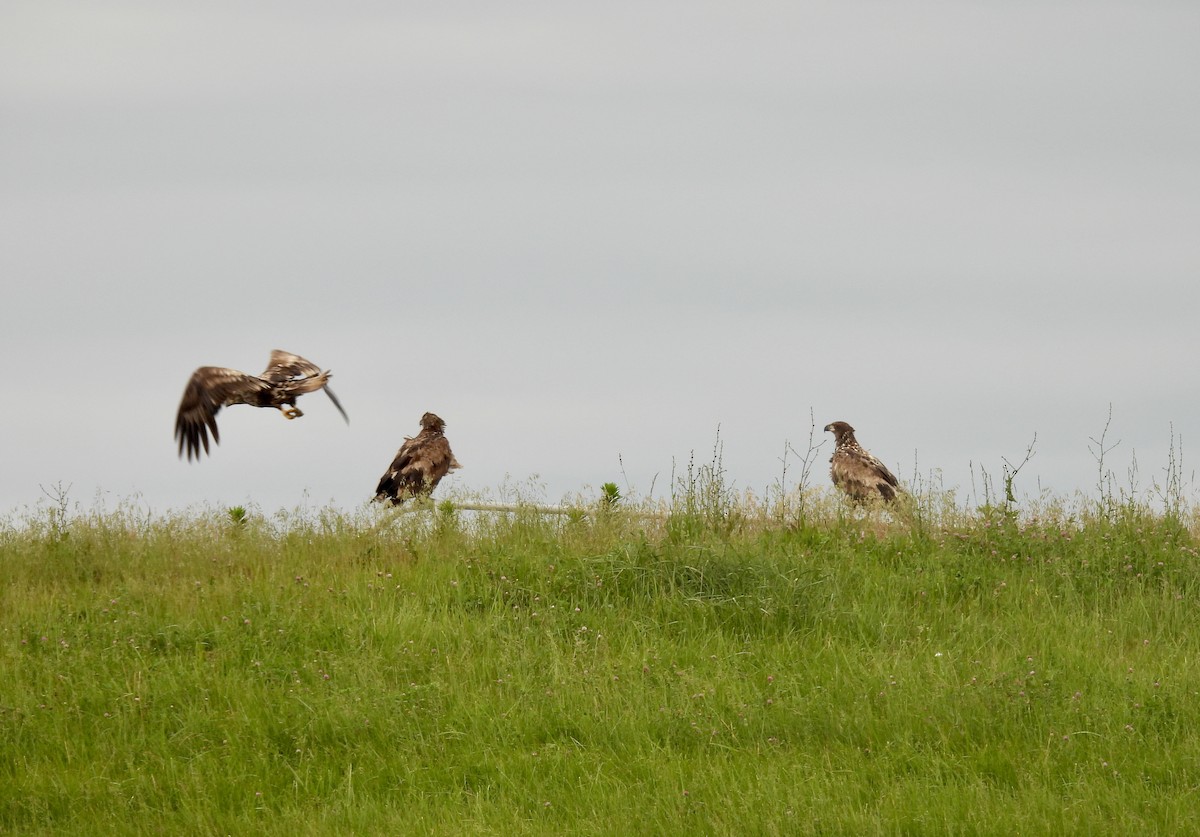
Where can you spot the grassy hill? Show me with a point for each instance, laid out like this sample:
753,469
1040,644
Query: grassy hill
712,666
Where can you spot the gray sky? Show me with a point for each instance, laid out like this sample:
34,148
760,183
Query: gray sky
583,232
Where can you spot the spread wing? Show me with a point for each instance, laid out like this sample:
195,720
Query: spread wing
418,467
302,374
210,389
284,366
862,476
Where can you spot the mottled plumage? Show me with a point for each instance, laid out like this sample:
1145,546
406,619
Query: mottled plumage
855,471
419,465
286,377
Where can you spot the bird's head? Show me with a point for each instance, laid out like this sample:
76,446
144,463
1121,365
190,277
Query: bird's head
840,430
431,421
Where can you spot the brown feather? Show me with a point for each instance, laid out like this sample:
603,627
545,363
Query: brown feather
855,471
210,388
284,366
419,465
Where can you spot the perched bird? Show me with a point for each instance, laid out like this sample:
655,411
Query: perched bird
419,465
855,471
286,377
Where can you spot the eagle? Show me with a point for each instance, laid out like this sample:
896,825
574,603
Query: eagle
855,471
210,388
419,465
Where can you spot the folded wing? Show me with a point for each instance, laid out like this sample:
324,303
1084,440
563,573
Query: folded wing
418,467
862,476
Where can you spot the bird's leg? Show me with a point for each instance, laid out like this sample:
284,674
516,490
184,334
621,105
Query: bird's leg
289,411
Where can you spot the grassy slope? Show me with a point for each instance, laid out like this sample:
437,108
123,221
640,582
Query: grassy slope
510,674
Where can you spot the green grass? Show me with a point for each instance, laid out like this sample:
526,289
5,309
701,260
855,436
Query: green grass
720,670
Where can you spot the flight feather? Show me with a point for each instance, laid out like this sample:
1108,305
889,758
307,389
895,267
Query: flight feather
211,388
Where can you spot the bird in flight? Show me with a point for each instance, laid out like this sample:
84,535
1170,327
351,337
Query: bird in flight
210,388
855,471
419,465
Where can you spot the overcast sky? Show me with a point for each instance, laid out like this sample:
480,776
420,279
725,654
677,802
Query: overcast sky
587,234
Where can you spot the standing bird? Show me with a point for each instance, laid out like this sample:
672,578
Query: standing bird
855,471
286,377
419,465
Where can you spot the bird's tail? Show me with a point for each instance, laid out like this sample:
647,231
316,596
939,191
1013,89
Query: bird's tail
313,383
335,401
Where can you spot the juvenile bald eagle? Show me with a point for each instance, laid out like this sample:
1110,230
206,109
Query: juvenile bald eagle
855,471
286,377
419,465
